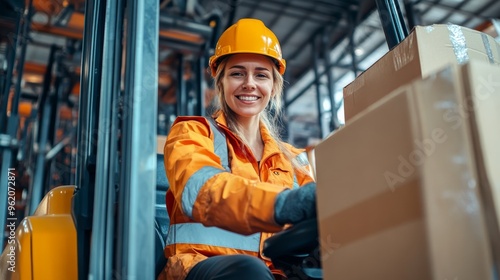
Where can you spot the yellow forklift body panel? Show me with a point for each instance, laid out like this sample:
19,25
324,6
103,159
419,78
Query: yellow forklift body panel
46,244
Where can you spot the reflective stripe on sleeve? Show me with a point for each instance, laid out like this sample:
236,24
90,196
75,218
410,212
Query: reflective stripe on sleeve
303,161
193,186
196,233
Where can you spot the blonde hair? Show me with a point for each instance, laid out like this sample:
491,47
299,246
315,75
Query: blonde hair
270,117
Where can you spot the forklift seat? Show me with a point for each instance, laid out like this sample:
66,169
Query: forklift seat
162,219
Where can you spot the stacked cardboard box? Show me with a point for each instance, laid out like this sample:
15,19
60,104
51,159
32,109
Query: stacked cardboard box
409,188
424,51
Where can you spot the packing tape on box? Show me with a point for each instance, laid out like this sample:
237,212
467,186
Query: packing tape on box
487,46
457,39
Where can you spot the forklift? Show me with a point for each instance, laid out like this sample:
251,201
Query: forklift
103,226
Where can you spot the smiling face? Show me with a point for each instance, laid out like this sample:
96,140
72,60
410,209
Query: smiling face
248,84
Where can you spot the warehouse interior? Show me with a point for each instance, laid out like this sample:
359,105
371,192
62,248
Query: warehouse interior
327,44
321,35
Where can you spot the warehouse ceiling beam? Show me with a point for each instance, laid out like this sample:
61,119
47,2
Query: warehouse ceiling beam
183,25
294,14
184,35
328,6
333,64
479,11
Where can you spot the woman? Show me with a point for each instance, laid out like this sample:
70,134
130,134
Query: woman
227,196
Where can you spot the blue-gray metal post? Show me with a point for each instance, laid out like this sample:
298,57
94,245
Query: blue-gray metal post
317,82
90,84
286,122
181,97
13,120
103,225
352,43
392,21
330,80
14,42
38,180
199,78
138,172
412,14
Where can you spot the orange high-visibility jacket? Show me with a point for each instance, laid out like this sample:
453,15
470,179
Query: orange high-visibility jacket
214,211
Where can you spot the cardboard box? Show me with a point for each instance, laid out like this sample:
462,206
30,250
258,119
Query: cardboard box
481,109
400,193
425,50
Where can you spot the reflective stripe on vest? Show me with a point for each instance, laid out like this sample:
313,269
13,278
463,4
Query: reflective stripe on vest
196,233
199,178
220,144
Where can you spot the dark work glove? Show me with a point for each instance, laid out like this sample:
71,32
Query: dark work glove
293,206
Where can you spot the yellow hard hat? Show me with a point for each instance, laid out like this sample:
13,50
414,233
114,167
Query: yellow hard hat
248,36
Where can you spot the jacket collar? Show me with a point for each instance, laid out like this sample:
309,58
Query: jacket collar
270,144
220,118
